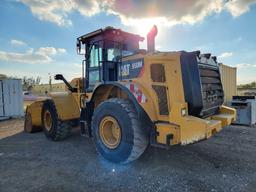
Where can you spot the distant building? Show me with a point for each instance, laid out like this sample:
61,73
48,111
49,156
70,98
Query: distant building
11,100
229,81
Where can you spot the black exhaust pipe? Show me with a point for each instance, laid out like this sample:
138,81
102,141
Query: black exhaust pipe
151,39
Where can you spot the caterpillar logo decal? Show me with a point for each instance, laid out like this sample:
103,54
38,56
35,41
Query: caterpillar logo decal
141,98
131,69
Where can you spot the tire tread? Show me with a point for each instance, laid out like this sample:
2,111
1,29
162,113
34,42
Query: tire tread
140,140
62,129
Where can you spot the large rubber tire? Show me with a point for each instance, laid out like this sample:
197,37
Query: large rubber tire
59,130
134,139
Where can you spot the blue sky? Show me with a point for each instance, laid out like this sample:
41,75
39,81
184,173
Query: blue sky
38,37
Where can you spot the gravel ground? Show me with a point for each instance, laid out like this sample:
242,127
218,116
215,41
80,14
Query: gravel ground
30,162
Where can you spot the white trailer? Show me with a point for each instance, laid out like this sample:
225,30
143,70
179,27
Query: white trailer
11,98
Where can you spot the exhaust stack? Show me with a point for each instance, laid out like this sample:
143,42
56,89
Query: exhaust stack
151,39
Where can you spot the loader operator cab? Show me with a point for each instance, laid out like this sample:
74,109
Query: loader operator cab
103,51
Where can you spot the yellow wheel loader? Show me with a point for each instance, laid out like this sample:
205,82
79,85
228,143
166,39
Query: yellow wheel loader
129,98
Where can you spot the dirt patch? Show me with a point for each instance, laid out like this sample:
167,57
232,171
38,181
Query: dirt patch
10,127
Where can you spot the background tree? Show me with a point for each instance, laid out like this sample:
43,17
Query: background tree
29,82
248,86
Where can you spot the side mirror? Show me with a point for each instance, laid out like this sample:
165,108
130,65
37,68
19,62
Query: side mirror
79,49
78,46
58,77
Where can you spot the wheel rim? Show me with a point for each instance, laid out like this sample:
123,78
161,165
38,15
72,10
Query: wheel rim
47,120
110,132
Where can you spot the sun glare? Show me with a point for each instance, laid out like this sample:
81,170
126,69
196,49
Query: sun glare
143,27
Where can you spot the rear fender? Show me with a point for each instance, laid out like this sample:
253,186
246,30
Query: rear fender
125,90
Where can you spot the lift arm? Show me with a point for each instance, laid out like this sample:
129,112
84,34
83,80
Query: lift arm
60,77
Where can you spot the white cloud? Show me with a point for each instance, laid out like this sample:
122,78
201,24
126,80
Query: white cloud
245,65
17,42
176,11
57,11
42,55
225,55
61,50
166,12
50,51
30,51
89,7
53,11
46,51
239,7
30,58
132,12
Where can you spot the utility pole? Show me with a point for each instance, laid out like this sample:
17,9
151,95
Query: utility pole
50,81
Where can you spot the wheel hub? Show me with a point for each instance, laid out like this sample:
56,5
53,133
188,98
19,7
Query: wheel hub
47,120
110,132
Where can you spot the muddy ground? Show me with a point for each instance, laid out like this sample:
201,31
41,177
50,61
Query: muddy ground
30,162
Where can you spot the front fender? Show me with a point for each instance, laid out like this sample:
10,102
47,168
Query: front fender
66,105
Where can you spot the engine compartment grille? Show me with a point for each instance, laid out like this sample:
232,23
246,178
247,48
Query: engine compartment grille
212,91
201,83
162,99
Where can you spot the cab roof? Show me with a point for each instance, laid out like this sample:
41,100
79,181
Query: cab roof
109,33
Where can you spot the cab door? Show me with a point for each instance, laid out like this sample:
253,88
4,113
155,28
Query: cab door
94,65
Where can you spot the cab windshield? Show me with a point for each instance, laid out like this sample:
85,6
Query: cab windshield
116,50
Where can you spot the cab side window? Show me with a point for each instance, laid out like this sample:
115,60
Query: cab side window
95,64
